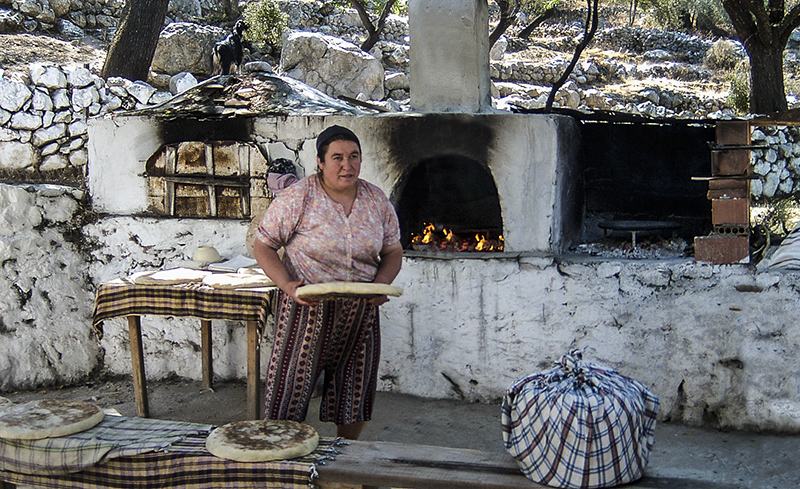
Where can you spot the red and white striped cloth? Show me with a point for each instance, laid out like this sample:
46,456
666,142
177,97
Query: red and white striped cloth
579,425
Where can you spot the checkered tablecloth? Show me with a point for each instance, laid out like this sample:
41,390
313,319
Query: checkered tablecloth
184,463
120,297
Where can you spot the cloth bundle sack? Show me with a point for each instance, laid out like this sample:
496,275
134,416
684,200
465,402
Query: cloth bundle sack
787,256
579,425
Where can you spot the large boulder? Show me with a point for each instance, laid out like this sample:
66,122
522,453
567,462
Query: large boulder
332,65
185,46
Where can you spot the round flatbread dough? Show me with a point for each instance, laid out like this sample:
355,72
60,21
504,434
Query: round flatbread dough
237,280
262,440
169,277
48,418
335,290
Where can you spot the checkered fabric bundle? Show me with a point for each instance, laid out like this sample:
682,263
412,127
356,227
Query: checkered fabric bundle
579,425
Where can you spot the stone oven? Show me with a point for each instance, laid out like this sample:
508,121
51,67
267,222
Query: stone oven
491,174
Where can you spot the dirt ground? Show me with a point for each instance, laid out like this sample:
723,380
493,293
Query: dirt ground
19,50
682,458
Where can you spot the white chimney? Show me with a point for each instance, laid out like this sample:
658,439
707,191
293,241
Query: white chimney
449,55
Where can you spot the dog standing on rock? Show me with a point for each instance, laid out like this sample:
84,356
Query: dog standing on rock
228,53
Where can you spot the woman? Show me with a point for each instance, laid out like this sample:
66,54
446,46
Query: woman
333,226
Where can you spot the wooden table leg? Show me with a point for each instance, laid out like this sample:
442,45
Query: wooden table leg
253,372
207,355
137,358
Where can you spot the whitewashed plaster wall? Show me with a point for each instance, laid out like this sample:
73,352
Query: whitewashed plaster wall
172,345
712,353
718,344
46,293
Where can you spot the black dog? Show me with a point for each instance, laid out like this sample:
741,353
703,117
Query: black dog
228,52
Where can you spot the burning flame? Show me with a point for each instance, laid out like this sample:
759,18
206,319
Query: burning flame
482,244
448,240
427,237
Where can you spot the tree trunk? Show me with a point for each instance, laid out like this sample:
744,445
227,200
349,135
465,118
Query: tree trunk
526,32
507,13
134,44
589,28
767,91
764,31
231,9
373,31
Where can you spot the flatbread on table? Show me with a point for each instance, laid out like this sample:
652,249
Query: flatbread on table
335,290
48,418
169,277
262,440
237,280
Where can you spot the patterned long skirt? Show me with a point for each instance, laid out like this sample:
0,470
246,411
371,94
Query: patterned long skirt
340,338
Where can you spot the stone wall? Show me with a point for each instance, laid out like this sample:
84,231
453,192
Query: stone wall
715,343
43,121
778,166
69,18
46,292
75,19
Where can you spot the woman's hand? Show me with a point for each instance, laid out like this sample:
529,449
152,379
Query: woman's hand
379,300
291,289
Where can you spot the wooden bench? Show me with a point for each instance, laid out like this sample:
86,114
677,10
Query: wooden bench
387,464
401,465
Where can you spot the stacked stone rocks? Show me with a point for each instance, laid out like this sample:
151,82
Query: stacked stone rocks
635,39
779,165
71,18
43,120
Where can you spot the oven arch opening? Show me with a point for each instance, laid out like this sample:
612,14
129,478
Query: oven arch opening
451,192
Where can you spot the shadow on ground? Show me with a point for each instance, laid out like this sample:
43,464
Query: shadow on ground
689,457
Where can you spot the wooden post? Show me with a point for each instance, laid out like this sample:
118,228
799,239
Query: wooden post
137,358
207,354
253,372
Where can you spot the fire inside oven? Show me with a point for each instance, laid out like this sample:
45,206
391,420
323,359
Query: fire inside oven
450,203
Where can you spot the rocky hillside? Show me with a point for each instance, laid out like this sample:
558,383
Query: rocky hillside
49,82
625,69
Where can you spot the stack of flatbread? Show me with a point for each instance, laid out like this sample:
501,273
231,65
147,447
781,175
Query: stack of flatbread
262,440
335,290
47,418
169,277
237,280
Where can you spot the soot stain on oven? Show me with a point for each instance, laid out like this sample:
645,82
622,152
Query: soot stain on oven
180,129
445,181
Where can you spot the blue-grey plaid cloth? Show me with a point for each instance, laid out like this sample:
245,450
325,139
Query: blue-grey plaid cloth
579,425
115,436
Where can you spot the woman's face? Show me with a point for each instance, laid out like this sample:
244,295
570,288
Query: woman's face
341,166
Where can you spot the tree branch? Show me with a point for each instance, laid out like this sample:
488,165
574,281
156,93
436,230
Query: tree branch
589,29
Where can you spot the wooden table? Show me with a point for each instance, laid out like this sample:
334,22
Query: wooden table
122,298
185,464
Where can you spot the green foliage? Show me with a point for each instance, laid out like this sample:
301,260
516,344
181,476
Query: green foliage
739,96
688,14
265,23
772,221
723,55
400,7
